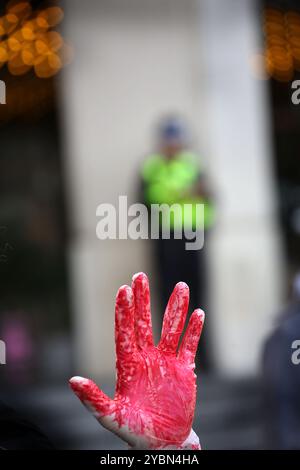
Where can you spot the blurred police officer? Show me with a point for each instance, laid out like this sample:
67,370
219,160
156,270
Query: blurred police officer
175,175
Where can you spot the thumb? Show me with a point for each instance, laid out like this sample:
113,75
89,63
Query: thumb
99,404
107,411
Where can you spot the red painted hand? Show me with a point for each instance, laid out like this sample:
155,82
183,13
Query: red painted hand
155,395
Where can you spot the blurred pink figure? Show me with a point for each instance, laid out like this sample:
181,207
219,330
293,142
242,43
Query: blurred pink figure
19,346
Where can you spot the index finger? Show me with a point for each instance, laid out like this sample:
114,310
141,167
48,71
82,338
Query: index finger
174,318
189,344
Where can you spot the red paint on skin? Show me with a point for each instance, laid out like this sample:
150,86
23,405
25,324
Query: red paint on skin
143,322
189,345
156,388
174,318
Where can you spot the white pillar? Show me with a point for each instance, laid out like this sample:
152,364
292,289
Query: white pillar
245,257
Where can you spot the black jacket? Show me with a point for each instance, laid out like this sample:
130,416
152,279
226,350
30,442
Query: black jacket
16,433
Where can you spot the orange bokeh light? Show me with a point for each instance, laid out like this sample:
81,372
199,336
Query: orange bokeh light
3,52
274,40
16,65
46,67
50,17
28,53
15,41
282,43
28,40
29,30
19,8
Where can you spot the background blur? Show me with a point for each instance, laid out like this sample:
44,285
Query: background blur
86,83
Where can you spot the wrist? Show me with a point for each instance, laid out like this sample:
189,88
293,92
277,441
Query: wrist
191,443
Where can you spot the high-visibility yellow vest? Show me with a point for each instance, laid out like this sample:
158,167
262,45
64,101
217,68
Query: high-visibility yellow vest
170,181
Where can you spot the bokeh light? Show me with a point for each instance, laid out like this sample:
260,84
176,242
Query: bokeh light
282,43
29,42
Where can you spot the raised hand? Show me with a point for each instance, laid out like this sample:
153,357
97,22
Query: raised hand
155,395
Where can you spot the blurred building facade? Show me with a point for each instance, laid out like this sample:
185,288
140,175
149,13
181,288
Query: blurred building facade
135,61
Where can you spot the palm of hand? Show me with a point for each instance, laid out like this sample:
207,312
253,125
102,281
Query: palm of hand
160,398
156,389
